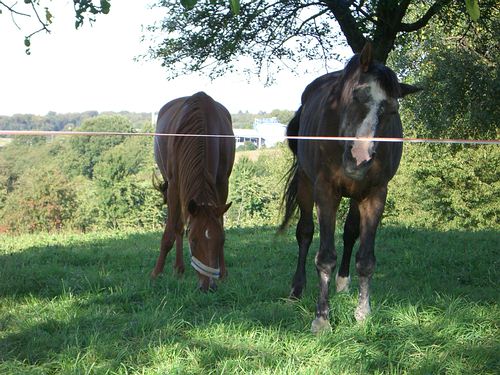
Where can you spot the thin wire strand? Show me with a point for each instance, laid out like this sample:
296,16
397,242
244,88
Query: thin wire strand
311,138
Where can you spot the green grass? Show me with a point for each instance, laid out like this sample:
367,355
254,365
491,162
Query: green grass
5,141
84,304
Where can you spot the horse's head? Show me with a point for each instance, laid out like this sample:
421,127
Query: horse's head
369,94
206,241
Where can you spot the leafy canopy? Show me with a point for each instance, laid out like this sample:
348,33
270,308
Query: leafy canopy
211,37
39,10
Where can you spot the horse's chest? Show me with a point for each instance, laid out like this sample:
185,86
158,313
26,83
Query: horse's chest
347,187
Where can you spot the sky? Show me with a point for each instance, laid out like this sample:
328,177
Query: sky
93,68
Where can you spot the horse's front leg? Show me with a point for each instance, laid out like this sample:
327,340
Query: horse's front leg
371,209
179,267
171,231
327,203
167,241
351,233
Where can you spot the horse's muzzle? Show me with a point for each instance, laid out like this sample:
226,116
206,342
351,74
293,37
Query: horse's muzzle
354,170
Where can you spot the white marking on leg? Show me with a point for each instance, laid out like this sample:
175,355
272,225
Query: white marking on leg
320,325
363,310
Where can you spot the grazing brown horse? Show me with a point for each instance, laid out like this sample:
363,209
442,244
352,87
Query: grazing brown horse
196,171
359,101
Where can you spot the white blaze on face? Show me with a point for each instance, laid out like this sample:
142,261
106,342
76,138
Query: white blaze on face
207,234
362,150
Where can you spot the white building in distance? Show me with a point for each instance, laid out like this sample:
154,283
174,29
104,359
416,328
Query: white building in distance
266,132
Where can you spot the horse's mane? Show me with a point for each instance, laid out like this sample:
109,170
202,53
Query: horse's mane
384,76
195,181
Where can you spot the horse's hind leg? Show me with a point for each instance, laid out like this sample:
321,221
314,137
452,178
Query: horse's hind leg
304,234
351,234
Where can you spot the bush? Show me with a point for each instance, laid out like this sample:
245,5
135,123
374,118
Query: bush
446,187
43,200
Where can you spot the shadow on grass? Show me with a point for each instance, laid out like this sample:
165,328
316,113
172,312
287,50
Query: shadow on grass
61,299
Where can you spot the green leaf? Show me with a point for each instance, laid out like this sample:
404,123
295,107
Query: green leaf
27,42
105,6
473,9
48,16
235,6
189,4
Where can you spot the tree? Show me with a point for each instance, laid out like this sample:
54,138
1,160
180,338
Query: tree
459,73
87,150
39,10
211,38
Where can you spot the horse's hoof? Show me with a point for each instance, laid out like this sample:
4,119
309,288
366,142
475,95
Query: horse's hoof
320,325
207,286
179,270
154,274
342,283
362,312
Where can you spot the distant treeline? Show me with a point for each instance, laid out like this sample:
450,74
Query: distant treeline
64,121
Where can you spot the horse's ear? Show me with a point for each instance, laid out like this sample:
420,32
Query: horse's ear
407,89
223,209
193,207
366,57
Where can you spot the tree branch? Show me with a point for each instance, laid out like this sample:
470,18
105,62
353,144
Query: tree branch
435,8
12,10
359,8
347,22
44,25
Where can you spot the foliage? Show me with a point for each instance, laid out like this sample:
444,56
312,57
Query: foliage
247,194
120,193
255,190
85,10
122,188
459,74
447,187
44,201
88,149
65,121
444,187
282,34
83,304
247,146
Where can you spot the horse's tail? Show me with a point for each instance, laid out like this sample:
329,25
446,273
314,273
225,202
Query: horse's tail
289,201
292,130
161,186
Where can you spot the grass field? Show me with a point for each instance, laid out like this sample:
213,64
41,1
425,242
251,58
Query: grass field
84,304
5,141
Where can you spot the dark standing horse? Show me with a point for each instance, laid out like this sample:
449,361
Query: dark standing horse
196,171
359,101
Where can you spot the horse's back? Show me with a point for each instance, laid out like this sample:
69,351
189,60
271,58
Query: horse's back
197,115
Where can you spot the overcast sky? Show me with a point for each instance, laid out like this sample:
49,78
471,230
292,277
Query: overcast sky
93,68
